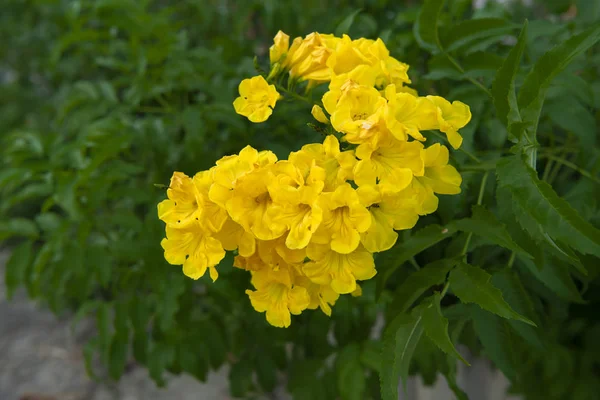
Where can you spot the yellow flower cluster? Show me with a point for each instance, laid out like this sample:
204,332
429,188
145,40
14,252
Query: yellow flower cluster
306,228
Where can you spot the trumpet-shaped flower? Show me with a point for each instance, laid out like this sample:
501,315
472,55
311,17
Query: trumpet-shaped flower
280,47
194,248
439,176
340,270
451,117
338,165
183,203
257,99
409,115
277,295
344,219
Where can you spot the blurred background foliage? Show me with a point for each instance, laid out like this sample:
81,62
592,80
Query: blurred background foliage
102,99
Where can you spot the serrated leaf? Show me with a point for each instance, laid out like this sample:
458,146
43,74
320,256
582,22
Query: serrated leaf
475,30
569,114
17,266
472,285
559,220
498,340
344,26
370,355
516,296
418,282
400,339
503,87
450,372
351,380
436,325
555,277
533,92
485,224
392,259
18,227
118,352
426,26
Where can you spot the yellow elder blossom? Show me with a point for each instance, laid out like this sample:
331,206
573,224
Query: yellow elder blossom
306,228
257,99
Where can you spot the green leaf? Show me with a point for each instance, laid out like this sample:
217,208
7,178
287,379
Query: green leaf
426,26
418,282
392,259
351,380
556,277
400,339
569,114
450,371
240,377
472,285
103,327
517,297
266,372
119,347
17,266
485,224
344,26
533,91
503,87
18,227
370,355
436,325
475,30
558,219
498,339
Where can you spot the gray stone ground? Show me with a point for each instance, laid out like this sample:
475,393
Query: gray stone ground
41,359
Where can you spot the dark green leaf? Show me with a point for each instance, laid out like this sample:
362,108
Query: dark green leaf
475,30
503,88
517,297
240,377
498,339
392,259
266,372
426,26
533,91
472,285
400,339
546,208
486,225
344,26
555,275
118,352
18,227
370,355
17,266
351,380
436,325
569,114
418,282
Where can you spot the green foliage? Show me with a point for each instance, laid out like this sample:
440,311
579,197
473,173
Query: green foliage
100,101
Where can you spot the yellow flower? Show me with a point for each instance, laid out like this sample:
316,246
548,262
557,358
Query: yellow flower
408,115
295,203
230,169
356,109
250,203
182,205
307,57
451,117
232,236
191,246
275,253
439,176
392,163
338,165
344,219
321,296
318,113
257,99
277,295
279,48
363,75
341,271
